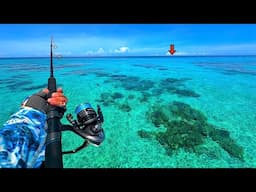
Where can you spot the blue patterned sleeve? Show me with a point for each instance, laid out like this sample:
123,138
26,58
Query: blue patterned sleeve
22,140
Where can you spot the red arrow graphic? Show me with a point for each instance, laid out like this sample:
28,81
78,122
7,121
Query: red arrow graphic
172,51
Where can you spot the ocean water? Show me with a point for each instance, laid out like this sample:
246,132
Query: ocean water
159,112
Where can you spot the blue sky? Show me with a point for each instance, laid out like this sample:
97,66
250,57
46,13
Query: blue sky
32,40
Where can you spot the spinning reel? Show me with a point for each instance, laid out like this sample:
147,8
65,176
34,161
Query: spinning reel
88,126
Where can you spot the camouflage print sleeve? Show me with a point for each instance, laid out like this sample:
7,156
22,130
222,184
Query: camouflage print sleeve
22,140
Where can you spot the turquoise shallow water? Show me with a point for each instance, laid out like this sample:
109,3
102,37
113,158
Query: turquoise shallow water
129,89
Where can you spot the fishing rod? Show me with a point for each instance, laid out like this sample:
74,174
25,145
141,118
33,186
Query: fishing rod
88,125
53,150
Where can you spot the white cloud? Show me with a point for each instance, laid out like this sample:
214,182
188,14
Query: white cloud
122,50
155,51
65,53
87,42
100,51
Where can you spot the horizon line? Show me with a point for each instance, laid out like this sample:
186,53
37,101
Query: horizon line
30,57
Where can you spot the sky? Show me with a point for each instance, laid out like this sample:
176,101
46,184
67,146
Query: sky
33,40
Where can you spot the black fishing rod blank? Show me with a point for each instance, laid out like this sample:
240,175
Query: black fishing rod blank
53,150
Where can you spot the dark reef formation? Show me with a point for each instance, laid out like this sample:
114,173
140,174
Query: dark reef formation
19,67
227,68
76,72
70,65
148,66
145,97
17,84
135,84
108,99
162,69
101,74
187,128
177,86
125,107
38,87
131,97
117,95
239,72
35,87
156,88
185,92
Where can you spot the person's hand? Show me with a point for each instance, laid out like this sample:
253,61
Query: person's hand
40,100
57,98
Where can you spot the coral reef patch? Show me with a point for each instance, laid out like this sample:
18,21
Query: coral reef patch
187,128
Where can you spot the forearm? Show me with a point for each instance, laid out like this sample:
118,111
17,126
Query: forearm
22,140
